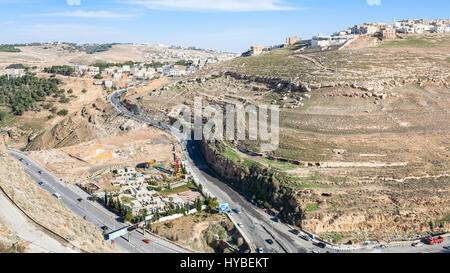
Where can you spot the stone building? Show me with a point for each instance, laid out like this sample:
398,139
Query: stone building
389,33
291,40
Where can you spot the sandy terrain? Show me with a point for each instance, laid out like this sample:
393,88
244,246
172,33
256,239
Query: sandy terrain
37,240
137,146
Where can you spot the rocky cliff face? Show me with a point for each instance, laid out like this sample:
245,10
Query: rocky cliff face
258,183
393,214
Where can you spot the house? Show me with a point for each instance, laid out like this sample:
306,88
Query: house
320,41
389,33
291,40
256,50
108,84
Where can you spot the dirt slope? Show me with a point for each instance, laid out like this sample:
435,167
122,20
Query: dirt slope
46,209
95,120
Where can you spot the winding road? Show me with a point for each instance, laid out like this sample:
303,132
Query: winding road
256,225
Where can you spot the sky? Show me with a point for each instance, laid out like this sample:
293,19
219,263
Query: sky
224,25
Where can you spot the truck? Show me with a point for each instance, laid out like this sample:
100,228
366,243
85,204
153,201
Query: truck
434,240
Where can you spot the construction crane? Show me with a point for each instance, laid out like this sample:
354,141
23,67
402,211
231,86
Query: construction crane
177,170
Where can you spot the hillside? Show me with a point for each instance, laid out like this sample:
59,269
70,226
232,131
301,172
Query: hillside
95,120
40,205
363,131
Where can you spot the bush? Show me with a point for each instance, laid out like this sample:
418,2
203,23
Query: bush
63,112
3,115
64,99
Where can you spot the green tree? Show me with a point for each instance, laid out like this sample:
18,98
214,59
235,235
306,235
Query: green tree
128,216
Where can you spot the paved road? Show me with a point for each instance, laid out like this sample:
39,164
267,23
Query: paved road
258,226
93,211
256,223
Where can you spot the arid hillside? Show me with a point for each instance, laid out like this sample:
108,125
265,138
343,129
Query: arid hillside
95,120
46,210
363,131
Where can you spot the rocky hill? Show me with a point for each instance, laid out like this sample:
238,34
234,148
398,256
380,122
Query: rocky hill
363,132
46,209
95,120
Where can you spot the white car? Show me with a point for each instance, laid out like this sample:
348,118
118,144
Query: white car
260,250
417,244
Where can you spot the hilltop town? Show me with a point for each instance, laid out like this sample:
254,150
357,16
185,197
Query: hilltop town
380,30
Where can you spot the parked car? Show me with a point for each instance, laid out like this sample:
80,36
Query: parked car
80,199
269,241
40,172
41,183
380,247
240,225
417,244
147,240
238,211
447,247
260,250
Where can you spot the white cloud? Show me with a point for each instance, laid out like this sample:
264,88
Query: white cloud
374,2
73,2
86,14
215,5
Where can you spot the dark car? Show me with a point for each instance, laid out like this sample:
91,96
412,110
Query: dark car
40,172
321,245
41,183
80,199
294,231
269,241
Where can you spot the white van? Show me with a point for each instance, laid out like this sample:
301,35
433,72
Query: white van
57,195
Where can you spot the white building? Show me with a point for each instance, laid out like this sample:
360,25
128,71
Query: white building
108,84
320,41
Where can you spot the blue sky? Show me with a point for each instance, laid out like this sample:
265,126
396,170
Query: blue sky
227,25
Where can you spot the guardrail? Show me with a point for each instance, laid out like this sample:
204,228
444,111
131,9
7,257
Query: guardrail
51,232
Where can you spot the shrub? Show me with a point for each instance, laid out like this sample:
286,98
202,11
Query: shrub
63,112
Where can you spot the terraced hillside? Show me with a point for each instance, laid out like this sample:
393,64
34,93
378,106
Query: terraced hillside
363,132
